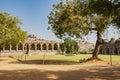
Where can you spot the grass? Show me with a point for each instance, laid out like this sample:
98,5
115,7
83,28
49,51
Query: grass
115,58
76,58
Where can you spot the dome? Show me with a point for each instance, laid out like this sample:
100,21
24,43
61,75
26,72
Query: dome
105,41
117,41
112,41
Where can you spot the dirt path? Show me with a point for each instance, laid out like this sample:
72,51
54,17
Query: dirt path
12,70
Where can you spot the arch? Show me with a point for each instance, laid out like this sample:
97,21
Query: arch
13,47
32,46
44,47
20,46
55,46
39,46
50,47
26,46
7,47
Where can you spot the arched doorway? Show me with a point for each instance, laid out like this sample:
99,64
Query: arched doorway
39,46
26,47
20,46
44,47
55,46
32,46
50,47
13,48
7,47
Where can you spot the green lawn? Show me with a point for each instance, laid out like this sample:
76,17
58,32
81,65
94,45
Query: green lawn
115,58
76,58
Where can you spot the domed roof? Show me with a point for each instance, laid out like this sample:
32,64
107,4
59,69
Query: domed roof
112,41
105,41
117,41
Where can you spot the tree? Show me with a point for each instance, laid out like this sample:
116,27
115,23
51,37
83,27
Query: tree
62,47
75,19
109,8
69,46
10,32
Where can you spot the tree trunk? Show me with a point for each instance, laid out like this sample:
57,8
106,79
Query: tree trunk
97,46
27,51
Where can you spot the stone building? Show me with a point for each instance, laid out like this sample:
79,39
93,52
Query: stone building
35,45
110,47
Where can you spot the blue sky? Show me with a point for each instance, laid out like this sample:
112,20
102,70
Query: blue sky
33,14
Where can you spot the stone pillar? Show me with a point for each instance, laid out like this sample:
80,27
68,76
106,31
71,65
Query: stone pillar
35,47
111,49
47,47
118,49
58,46
52,47
41,47
17,47
29,46
23,45
104,49
10,48
3,49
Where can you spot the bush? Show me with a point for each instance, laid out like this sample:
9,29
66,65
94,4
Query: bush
82,60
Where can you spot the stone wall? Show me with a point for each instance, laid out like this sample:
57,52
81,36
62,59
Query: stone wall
34,45
111,47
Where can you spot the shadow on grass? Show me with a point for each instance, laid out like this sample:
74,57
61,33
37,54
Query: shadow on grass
82,60
47,62
81,74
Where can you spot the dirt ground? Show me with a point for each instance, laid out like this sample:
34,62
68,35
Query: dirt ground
11,69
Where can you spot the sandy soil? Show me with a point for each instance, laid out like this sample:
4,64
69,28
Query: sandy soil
11,69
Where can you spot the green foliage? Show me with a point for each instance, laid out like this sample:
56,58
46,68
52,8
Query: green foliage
10,32
64,19
109,8
69,46
75,18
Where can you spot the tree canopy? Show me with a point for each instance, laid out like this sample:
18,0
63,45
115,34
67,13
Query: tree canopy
109,8
75,18
10,31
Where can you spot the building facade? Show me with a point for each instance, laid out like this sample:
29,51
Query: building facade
110,47
35,45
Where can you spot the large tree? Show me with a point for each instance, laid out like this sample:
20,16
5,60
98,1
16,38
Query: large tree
74,18
10,31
